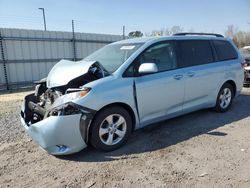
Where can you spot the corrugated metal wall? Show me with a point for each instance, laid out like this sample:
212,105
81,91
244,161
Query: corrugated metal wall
30,54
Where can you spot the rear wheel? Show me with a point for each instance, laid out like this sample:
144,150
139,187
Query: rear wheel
224,98
110,129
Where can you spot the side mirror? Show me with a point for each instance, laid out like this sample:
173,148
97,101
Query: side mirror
147,68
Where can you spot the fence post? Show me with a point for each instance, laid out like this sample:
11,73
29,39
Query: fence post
4,62
74,41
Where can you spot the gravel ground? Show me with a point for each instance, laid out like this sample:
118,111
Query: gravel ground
201,149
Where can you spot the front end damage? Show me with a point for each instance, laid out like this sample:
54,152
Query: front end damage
50,116
59,131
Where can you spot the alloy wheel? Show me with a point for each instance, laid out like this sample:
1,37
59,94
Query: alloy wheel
113,129
225,98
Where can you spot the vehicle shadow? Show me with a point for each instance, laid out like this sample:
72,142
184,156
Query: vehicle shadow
170,132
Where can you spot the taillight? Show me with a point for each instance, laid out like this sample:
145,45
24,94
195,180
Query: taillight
245,64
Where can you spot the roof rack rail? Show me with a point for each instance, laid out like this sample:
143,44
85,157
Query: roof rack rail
212,34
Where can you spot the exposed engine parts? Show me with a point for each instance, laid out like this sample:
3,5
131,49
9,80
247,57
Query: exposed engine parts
44,97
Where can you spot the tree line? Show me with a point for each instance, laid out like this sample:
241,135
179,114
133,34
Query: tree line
239,37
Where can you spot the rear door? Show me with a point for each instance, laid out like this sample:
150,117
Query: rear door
202,74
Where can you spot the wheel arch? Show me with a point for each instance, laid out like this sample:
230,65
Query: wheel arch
126,107
119,104
232,83
217,106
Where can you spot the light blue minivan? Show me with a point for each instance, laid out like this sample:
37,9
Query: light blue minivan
127,85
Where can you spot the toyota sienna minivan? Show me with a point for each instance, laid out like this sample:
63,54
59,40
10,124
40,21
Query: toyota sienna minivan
127,85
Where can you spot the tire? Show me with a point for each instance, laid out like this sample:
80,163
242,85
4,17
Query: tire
110,129
224,98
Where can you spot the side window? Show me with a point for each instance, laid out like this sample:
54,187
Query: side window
195,52
224,50
163,55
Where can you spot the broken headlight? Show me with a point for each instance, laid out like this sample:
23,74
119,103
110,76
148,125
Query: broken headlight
65,109
70,108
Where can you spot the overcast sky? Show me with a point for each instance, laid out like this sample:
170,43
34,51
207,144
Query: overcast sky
108,16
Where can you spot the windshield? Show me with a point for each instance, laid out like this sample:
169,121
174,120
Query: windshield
112,56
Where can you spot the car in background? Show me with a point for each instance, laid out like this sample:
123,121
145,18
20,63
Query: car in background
127,85
245,51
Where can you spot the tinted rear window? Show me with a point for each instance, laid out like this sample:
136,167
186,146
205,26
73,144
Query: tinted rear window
195,52
224,50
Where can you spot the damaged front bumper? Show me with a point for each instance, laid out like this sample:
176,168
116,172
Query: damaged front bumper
59,134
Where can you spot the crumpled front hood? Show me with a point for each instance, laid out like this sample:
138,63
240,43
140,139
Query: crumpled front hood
65,70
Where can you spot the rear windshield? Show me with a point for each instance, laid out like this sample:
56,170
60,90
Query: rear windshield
224,50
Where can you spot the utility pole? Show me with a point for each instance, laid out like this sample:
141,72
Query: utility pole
44,20
123,32
74,41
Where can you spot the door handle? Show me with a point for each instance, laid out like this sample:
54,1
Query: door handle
191,74
178,76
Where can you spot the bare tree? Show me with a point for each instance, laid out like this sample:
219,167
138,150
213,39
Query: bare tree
240,38
176,29
231,31
165,31
158,32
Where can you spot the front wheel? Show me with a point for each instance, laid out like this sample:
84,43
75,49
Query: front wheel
110,129
224,98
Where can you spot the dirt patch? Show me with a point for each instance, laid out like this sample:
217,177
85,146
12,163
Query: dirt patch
201,149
